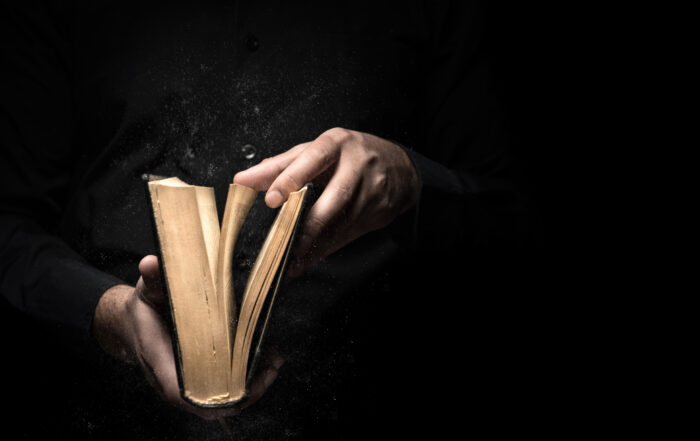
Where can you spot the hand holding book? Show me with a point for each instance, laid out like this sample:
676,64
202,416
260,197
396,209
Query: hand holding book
370,181
208,363
130,324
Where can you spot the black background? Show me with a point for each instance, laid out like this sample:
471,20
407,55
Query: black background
526,327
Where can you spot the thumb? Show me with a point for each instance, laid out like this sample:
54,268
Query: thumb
149,286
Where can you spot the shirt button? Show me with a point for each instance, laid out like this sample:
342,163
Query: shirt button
252,43
248,151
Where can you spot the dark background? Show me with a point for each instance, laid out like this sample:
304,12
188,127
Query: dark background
525,326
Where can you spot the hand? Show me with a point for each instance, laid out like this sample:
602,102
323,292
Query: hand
129,324
370,182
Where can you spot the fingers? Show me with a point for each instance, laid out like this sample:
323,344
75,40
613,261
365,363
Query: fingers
328,218
262,381
314,160
158,365
153,342
157,360
155,351
260,176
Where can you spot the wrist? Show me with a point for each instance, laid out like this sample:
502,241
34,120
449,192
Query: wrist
411,179
110,323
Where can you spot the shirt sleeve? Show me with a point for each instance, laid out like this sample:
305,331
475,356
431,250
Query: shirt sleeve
39,273
473,195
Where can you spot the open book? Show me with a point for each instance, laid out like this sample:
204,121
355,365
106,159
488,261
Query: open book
216,343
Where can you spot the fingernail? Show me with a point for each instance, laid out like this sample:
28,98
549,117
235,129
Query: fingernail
278,362
273,198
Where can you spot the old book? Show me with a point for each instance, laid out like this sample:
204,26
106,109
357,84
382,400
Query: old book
216,337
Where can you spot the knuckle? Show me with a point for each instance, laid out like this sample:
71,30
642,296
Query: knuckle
367,158
372,158
321,153
380,181
339,134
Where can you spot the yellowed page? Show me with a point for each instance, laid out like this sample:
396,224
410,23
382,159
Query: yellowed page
258,286
204,352
238,203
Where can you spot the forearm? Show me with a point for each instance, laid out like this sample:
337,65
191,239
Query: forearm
42,276
477,209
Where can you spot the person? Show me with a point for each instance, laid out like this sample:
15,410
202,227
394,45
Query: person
387,108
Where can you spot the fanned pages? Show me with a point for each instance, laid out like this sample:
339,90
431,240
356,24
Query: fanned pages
212,339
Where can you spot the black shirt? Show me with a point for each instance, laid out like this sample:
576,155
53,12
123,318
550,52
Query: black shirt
95,95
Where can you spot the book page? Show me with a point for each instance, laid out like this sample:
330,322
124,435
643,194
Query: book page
201,335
